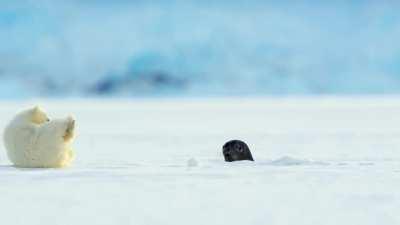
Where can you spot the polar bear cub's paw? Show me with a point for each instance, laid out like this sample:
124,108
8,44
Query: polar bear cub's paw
70,129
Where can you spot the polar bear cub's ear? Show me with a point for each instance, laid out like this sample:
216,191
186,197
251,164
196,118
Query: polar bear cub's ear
38,115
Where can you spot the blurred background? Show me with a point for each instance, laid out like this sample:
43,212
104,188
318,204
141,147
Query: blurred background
135,48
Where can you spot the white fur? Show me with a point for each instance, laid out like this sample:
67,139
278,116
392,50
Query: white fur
33,141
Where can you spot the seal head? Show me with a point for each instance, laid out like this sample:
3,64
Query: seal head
236,150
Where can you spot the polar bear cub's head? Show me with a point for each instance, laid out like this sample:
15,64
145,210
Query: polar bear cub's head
36,115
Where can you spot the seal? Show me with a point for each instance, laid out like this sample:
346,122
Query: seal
236,150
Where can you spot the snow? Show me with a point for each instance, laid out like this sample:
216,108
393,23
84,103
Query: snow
158,161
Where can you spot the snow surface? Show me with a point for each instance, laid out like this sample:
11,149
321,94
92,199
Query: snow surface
317,161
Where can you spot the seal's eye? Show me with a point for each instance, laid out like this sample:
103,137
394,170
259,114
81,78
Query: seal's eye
47,119
239,148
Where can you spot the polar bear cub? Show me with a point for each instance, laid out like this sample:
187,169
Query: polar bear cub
32,140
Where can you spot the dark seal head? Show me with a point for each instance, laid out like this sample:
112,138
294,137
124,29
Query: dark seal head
236,150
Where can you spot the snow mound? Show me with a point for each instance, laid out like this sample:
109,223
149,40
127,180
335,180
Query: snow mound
192,163
291,161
